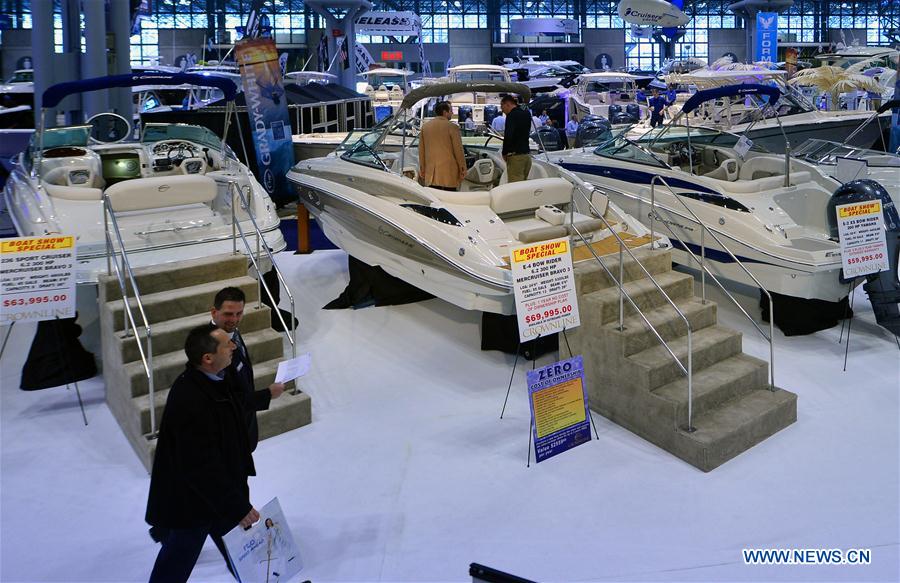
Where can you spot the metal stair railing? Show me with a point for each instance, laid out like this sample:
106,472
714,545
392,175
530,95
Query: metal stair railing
109,218
623,295
704,270
236,230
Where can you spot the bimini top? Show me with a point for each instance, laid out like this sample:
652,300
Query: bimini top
56,93
386,71
485,68
310,76
441,89
608,76
730,91
730,74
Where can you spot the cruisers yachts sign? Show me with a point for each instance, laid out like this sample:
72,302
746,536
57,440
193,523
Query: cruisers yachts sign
651,13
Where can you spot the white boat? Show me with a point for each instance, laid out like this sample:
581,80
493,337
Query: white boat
386,88
880,62
483,106
170,187
454,245
17,100
772,219
545,76
796,117
612,96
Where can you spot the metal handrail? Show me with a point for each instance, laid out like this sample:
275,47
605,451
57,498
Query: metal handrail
704,270
687,370
109,215
261,284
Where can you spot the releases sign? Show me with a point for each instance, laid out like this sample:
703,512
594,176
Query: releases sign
37,279
863,245
544,285
389,23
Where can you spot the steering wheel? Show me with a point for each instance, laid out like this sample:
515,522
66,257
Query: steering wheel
471,158
175,151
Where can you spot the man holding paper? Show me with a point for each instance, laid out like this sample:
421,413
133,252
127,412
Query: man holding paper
226,313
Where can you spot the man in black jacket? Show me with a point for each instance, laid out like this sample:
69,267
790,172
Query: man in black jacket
516,147
198,486
226,313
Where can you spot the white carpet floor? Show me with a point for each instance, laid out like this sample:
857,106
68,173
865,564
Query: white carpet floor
407,473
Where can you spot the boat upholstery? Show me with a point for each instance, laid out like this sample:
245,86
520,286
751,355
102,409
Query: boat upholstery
161,191
72,192
727,170
765,184
530,194
396,93
761,167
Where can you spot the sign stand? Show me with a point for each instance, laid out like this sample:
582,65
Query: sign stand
8,334
590,411
66,366
516,362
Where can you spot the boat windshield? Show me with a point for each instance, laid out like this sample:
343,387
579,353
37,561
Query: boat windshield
363,151
66,136
825,152
155,132
663,135
621,148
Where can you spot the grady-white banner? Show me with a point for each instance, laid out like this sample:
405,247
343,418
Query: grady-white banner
548,26
389,23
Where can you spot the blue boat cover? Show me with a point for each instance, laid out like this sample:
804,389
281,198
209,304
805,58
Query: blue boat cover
53,95
731,91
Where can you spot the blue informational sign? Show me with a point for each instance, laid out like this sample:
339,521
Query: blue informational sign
383,112
559,407
767,36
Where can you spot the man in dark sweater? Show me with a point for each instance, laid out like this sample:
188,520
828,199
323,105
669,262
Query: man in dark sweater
198,486
515,139
226,313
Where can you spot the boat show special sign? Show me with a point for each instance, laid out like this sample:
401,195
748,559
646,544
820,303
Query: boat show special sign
863,244
37,279
560,418
267,109
544,285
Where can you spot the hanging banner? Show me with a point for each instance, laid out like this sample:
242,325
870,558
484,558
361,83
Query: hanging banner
268,113
545,26
560,418
426,66
767,36
544,286
389,23
863,244
37,279
322,54
364,60
266,553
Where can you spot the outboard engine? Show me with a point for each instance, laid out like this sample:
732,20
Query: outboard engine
592,131
883,288
490,112
464,113
614,110
634,111
548,138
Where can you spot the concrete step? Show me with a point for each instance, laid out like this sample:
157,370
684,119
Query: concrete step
590,276
263,376
602,306
714,386
169,336
263,345
637,336
285,413
181,302
174,275
654,367
736,426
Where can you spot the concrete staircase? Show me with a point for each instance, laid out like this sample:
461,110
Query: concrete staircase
633,381
176,298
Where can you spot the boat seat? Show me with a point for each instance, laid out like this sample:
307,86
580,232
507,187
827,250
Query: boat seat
768,183
72,192
369,90
396,93
761,167
481,172
161,191
727,170
530,194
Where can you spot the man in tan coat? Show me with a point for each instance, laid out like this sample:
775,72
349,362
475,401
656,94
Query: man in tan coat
442,162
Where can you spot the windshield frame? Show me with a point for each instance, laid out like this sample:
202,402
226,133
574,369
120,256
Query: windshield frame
620,141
